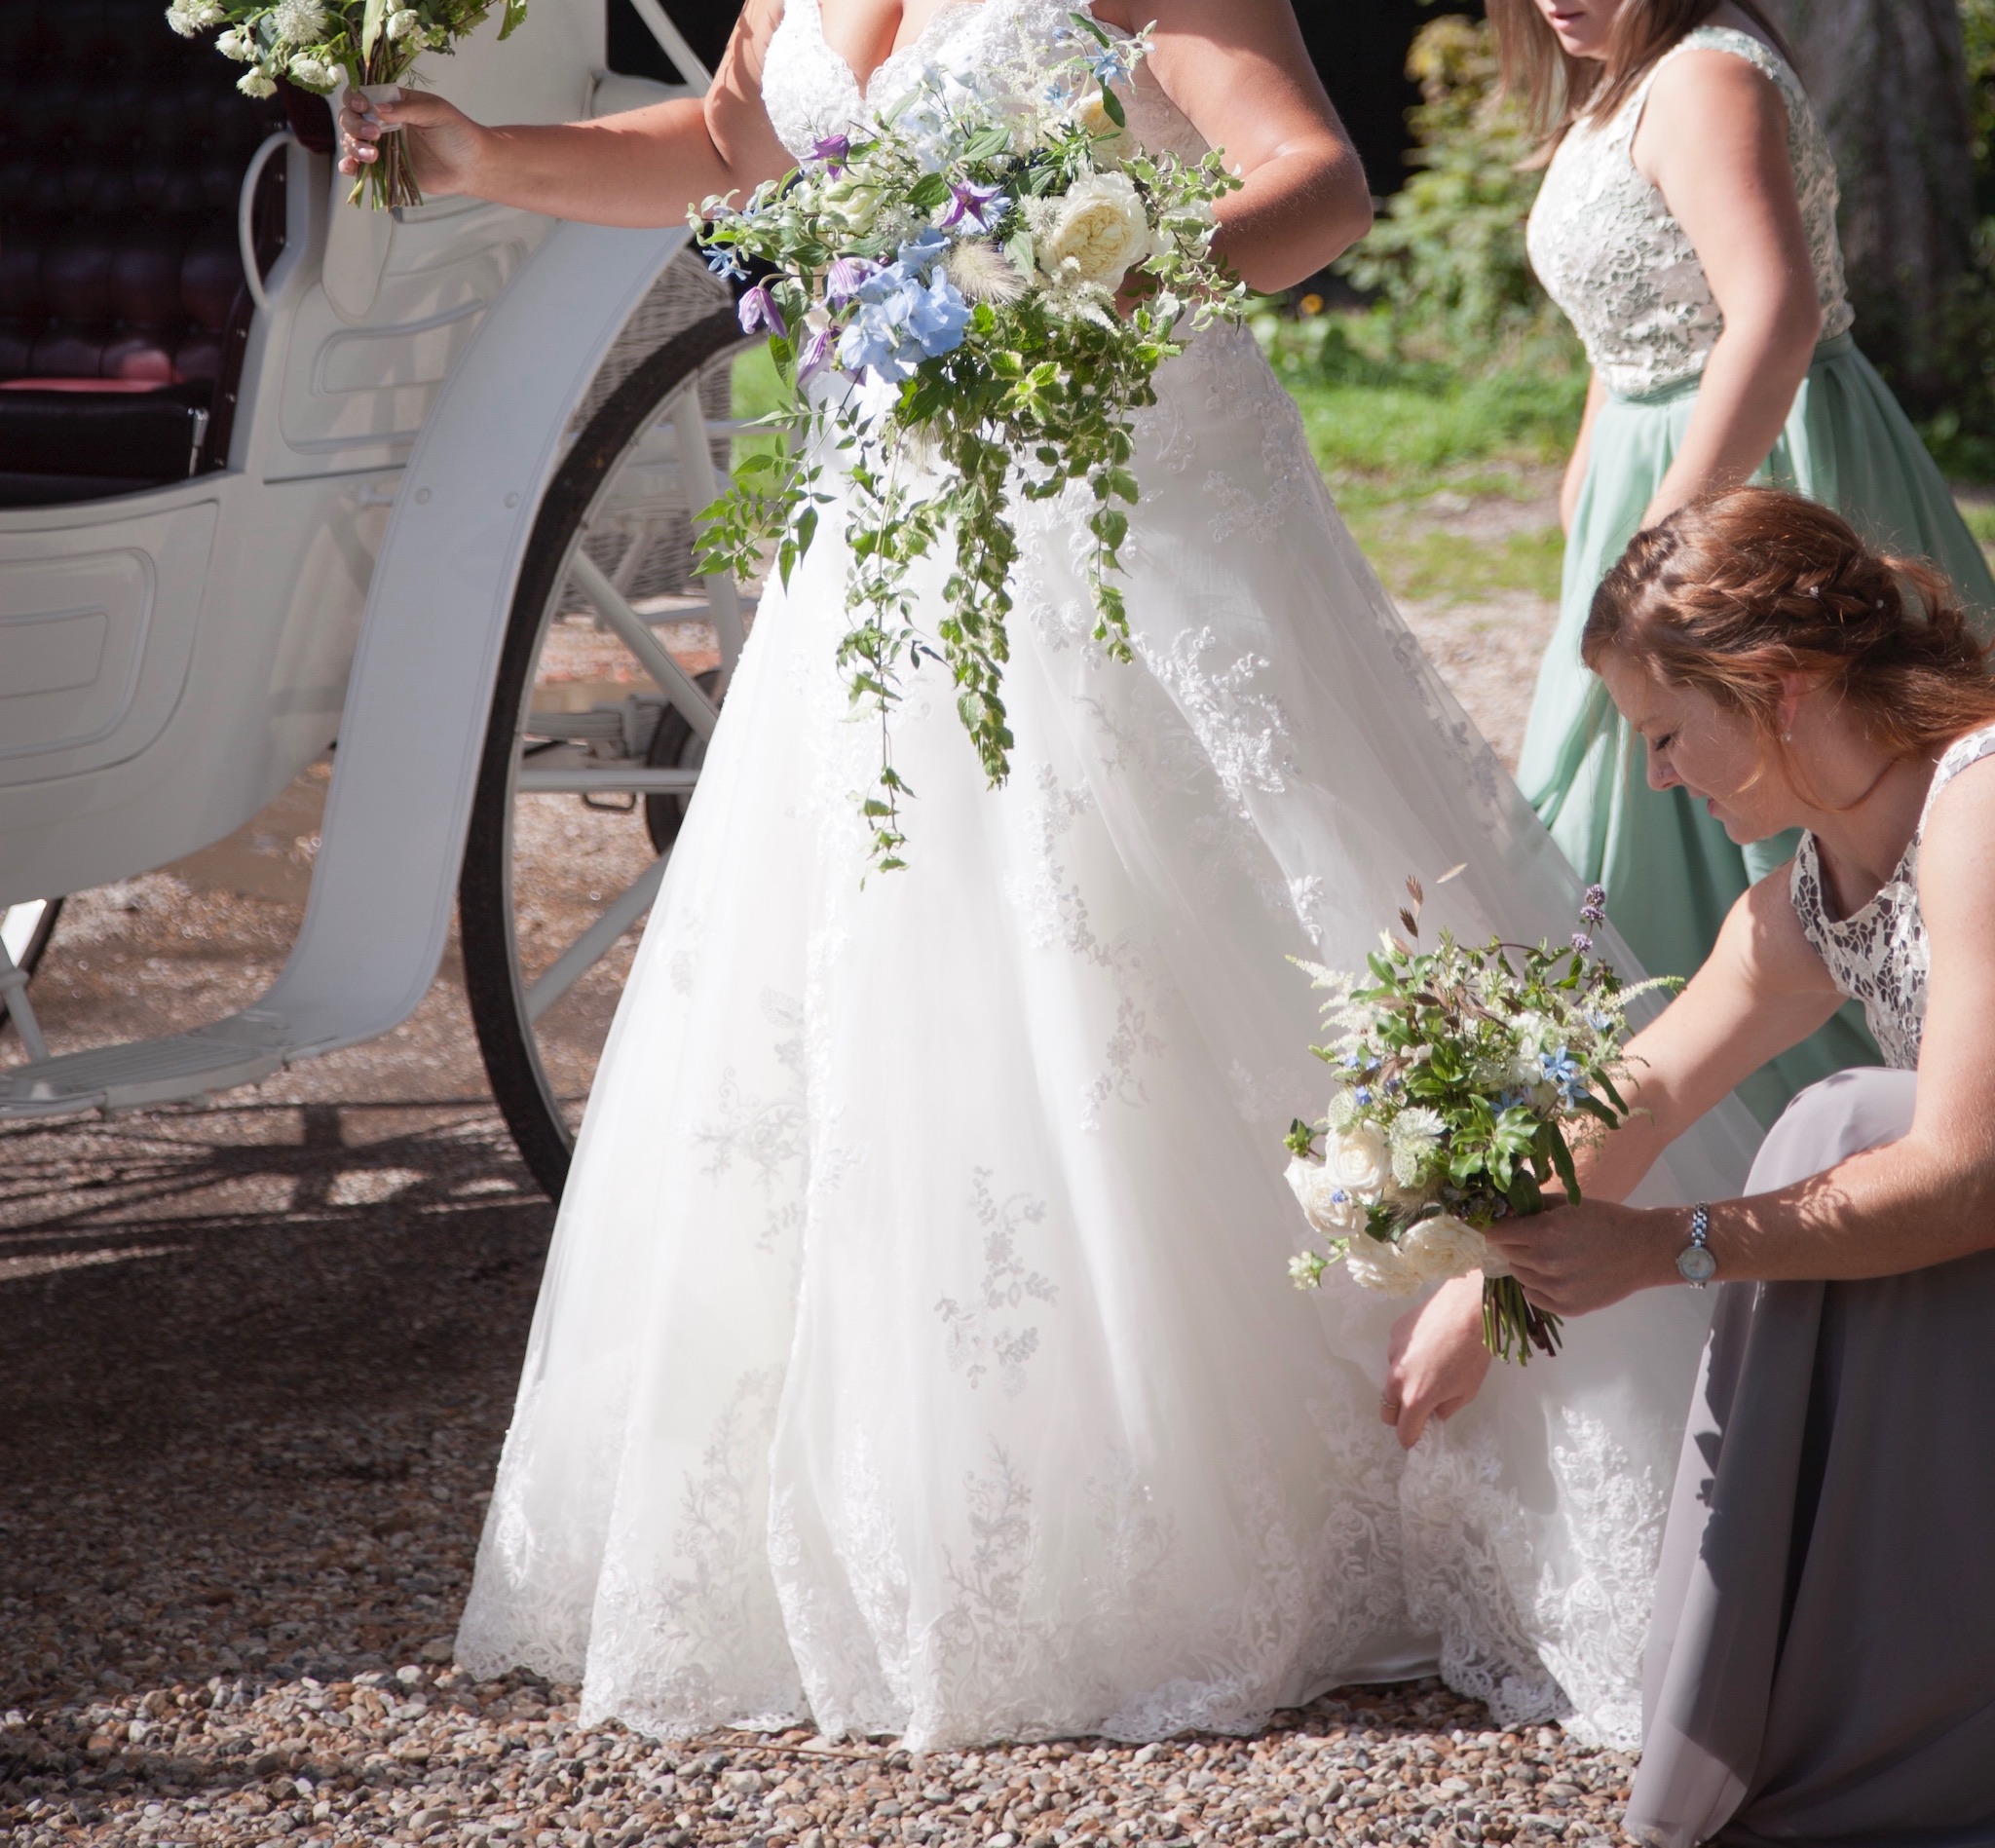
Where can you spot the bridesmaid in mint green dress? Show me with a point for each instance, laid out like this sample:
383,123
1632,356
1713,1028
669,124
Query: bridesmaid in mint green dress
1686,225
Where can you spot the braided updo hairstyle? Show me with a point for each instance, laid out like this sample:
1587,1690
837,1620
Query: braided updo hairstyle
1734,590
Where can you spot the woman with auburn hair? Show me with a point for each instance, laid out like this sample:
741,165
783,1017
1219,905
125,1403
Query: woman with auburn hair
1819,1663
1686,225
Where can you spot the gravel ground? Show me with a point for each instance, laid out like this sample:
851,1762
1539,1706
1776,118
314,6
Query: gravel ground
260,1363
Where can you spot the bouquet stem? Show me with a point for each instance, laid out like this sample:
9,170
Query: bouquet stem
1511,1326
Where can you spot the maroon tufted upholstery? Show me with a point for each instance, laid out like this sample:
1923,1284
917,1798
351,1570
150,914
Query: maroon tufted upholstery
122,150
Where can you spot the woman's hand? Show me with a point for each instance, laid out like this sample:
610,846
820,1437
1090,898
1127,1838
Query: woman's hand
1437,1362
1576,1259
445,143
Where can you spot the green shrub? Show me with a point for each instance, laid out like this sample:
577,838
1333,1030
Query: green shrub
1447,259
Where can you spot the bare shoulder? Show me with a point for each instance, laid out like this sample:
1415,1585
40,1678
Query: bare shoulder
1764,938
1704,92
1957,854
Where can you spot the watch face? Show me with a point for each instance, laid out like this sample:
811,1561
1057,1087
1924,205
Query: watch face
1695,1264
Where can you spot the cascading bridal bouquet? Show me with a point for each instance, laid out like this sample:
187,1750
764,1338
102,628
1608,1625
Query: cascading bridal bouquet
944,303
323,45
1462,1076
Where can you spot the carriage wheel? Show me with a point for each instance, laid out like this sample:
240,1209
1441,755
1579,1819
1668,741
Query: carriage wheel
614,667
24,932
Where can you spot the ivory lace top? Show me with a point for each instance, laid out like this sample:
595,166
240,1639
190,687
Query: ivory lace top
1624,270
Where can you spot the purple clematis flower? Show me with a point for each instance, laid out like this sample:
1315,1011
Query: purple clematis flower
816,353
758,309
980,207
847,277
833,150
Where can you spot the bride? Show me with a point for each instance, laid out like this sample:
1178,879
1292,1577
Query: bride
917,1354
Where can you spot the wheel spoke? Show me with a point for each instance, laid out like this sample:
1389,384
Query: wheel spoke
610,781
589,949
672,680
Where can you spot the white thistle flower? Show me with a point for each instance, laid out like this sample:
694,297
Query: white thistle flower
983,273
256,81
189,17
1414,1135
300,21
404,24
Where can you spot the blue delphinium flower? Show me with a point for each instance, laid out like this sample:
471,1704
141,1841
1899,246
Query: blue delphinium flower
909,311
847,277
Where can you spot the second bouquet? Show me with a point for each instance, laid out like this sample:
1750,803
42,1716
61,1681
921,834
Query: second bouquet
970,292
1463,1075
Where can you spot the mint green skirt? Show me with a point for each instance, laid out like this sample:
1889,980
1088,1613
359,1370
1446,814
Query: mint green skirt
1671,871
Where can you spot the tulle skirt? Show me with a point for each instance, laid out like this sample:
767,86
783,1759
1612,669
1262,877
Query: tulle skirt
917,1354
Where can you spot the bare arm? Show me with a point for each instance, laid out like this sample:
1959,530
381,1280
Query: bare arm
1924,1200
1582,454
645,168
1238,70
1714,139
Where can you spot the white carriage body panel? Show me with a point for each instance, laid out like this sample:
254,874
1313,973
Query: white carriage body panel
229,612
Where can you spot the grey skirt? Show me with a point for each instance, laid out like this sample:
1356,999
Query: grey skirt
1822,1665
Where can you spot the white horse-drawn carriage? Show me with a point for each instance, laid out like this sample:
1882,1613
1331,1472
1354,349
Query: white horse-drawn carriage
278,475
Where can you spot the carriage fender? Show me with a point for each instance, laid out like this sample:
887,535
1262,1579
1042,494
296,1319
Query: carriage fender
413,726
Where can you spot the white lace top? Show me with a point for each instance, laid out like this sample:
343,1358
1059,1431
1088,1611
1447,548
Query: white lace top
1609,253
811,91
1878,953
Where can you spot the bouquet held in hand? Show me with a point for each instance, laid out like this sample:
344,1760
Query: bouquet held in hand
1464,1076
323,45
944,299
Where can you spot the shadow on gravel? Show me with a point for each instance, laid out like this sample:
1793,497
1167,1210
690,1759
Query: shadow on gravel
257,1363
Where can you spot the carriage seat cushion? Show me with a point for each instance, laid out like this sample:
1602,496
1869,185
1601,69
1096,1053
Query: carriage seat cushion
121,153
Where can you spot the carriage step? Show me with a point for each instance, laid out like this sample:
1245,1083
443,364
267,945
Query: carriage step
240,1050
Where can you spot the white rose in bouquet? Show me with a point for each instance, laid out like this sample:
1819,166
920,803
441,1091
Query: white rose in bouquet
1444,1247
1360,1161
1375,1265
1112,139
1096,233
1331,1208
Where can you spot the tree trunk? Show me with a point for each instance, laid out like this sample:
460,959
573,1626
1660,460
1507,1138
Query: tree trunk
1888,80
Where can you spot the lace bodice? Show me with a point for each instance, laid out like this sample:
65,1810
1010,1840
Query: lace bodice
1879,954
811,91
1612,255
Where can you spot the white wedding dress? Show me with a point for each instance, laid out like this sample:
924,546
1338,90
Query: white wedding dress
916,1352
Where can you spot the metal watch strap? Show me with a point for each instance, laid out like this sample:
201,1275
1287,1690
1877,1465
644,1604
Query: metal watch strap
1695,1263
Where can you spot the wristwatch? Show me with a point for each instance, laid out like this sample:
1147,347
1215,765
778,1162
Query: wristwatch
1695,1263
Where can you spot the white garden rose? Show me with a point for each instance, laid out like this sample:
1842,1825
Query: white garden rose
1111,139
1097,234
1334,1210
1377,1266
1360,1161
1444,1247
